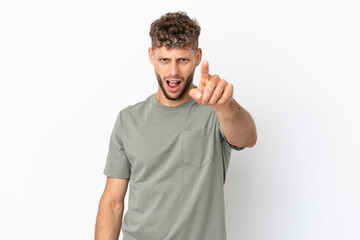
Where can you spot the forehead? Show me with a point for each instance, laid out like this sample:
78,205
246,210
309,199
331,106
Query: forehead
176,52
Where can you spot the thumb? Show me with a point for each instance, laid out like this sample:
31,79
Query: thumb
195,94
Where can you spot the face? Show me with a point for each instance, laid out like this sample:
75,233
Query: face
174,69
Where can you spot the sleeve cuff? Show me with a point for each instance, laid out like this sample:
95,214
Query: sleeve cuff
230,145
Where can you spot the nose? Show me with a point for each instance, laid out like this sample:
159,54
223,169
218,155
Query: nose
174,70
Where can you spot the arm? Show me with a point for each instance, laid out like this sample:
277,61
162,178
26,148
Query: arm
111,207
237,124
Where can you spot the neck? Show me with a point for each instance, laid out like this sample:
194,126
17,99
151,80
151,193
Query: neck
173,103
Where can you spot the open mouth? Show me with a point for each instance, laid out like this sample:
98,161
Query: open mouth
173,85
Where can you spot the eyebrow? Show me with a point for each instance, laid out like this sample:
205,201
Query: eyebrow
187,57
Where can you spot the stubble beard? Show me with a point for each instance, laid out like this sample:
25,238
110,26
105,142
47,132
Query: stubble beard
187,83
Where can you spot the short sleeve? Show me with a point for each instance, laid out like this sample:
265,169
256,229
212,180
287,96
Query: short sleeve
117,164
225,140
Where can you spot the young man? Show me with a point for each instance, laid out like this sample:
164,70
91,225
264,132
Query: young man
174,147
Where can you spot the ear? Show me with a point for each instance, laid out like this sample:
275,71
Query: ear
151,56
198,56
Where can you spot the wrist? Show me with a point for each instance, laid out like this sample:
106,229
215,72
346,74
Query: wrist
227,110
226,106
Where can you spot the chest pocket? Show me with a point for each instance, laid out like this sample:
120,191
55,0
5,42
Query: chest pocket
197,146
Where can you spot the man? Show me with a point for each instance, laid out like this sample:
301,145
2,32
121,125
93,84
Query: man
174,147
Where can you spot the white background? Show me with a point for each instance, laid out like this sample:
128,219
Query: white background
68,67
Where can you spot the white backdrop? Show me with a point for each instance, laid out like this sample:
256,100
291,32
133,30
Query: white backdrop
68,67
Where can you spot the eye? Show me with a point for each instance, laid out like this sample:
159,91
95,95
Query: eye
184,60
164,60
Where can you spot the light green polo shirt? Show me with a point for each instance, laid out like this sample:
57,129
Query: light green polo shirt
176,159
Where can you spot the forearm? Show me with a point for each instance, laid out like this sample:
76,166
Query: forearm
237,124
108,222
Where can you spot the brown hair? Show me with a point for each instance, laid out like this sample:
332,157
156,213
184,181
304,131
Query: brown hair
175,30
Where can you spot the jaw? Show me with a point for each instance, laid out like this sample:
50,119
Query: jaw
181,94
172,94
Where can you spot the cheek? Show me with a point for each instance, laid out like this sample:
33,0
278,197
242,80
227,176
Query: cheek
190,70
161,70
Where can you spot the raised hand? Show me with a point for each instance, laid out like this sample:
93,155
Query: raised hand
212,90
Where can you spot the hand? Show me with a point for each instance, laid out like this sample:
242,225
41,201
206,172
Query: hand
212,90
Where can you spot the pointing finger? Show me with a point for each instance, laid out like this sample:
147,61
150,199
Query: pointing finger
205,70
205,76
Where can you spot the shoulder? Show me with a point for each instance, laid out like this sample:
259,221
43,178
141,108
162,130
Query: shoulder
135,109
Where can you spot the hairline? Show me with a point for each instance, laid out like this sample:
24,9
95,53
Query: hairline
192,46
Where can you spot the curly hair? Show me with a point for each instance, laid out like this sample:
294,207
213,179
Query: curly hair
175,30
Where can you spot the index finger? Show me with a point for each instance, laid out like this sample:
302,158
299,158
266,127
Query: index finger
205,70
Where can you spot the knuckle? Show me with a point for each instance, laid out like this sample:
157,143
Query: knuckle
209,87
212,102
206,93
216,93
216,76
